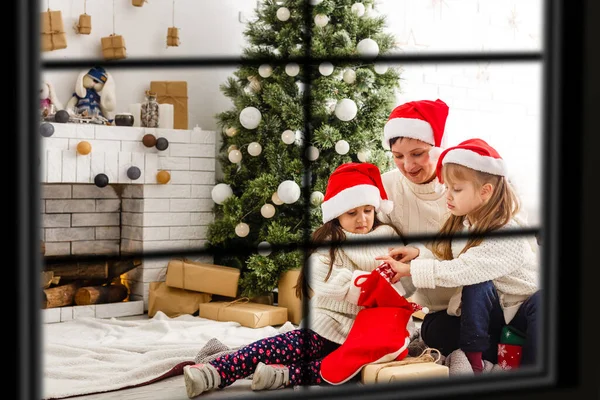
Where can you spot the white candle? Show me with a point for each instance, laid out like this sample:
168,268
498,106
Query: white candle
136,111
166,114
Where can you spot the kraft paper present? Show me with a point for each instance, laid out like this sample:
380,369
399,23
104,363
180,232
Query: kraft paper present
397,371
173,37
84,27
113,47
251,315
173,301
286,295
201,277
173,92
52,30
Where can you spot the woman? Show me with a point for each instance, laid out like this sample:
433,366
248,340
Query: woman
414,134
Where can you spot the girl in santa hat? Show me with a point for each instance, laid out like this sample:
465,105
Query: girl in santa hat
353,196
497,277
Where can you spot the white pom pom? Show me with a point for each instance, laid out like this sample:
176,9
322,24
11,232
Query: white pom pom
425,310
435,152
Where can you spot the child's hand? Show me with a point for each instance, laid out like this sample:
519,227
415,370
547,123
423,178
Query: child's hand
400,269
404,254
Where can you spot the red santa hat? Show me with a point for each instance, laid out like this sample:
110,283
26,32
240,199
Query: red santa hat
475,154
353,185
423,120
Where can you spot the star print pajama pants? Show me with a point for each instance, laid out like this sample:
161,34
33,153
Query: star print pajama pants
301,350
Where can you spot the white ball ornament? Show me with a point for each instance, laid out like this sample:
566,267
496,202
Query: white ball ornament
231,132
288,137
363,155
265,70
326,68
342,147
267,211
367,48
349,76
242,229
292,69
276,200
254,149
288,192
221,192
346,109
315,2
316,198
380,68
358,9
231,148
321,20
312,153
235,156
264,248
283,14
250,117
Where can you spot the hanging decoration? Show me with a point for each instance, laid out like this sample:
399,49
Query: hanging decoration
292,69
326,68
288,137
250,117
358,9
173,32
342,147
52,30
265,70
242,229
312,153
264,248
288,192
254,149
276,200
346,109
113,46
267,210
321,20
363,155
367,48
316,198
138,3
221,192
283,14
349,76
84,26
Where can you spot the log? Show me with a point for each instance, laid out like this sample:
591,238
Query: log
103,270
101,294
59,296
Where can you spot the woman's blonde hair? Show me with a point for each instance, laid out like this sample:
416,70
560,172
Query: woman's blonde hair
495,213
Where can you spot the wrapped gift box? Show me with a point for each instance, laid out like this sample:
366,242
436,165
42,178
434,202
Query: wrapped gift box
84,27
286,295
173,301
200,277
113,47
405,370
251,315
53,32
173,37
173,92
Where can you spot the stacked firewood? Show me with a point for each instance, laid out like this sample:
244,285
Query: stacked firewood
84,283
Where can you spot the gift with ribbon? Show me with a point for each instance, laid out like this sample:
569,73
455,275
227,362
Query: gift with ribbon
173,92
202,277
246,313
53,32
424,366
113,47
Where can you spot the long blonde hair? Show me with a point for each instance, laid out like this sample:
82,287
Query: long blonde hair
495,213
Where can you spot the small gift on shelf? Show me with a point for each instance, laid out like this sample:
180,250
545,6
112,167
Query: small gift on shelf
510,347
173,37
251,315
84,26
113,47
173,92
53,32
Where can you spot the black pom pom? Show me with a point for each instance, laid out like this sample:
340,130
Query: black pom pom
134,173
101,180
162,143
46,129
61,116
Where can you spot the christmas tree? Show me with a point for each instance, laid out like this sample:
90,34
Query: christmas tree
292,115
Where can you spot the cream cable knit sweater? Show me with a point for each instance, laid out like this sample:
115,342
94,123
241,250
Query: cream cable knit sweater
511,263
418,209
331,314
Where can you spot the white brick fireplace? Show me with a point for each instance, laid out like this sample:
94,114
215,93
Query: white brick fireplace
79,218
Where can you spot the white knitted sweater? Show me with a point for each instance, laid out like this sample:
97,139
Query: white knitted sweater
511,263
418,209
331,314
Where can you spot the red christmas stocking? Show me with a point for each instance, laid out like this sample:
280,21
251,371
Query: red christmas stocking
509,355
378,335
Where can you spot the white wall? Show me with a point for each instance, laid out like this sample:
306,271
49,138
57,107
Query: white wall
498,102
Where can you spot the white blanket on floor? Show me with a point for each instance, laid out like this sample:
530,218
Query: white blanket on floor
91,355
